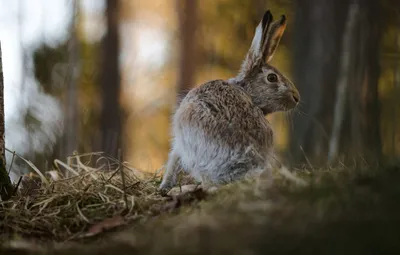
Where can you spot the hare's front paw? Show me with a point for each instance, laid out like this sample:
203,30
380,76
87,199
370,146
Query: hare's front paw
184,189
164,188
209,188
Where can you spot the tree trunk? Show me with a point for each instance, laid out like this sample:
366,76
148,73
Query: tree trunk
316,55
317,41
6,187
110,80
371,135
71,103
343,80
187,15
396,85
365,113
355,143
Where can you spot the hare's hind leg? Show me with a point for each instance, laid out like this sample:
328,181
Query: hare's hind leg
263,179
207,185
171,172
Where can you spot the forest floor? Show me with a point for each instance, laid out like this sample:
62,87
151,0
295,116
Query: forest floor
341,210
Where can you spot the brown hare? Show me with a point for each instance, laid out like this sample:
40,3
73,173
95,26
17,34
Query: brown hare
220,133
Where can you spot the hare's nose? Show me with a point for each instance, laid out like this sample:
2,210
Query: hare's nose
296,97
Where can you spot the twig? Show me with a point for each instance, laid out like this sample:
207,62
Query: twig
81,214
305,156
12,161
113,174
17,186
58,162
121,169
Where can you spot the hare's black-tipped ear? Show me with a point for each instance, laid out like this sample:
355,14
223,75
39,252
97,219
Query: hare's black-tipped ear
263,32
273,36
255,54
259,38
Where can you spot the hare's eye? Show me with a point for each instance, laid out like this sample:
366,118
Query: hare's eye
272,77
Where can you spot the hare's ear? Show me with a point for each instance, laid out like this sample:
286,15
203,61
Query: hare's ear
260,37
273,38
255,54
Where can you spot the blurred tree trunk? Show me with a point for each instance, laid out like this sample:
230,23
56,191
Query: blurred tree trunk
364,107
6,187
354,114
317,48
371,107
317,33
396,86
187,16
110,80
343,80
71,103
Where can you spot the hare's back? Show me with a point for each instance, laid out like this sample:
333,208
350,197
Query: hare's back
219,110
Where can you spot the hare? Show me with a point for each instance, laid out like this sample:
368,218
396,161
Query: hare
220,133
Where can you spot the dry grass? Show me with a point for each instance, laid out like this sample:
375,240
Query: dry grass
63,208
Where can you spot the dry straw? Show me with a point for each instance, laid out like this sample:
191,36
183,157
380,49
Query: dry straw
65,203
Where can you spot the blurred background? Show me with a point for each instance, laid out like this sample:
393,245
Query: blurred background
105,75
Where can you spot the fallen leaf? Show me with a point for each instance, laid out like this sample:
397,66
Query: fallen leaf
105,225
